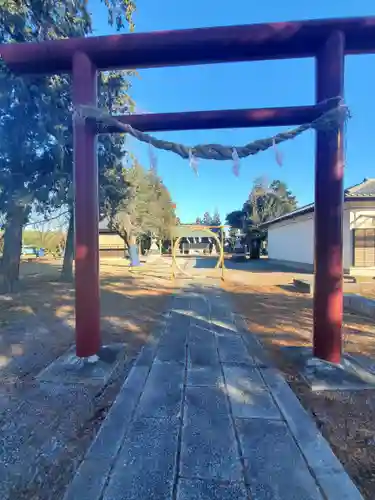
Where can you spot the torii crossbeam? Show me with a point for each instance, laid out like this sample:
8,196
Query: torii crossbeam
328,41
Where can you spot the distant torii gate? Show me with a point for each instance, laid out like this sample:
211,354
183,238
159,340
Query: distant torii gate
326,40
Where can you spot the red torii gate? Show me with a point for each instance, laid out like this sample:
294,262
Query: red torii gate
326,40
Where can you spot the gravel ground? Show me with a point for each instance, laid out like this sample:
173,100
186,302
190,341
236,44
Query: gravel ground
347,419
46,428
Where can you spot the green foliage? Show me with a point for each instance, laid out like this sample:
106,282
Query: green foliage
146,208
206,219
235,219
36,144
49,240
209,220
36,122
266,203
120,13
263,204
215,219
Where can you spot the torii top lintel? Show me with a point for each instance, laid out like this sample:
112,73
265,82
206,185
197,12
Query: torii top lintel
193,46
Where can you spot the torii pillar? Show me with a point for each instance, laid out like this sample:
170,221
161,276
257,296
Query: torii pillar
86,213
329,194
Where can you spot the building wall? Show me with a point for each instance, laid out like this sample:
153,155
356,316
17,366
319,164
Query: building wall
293,239
111,245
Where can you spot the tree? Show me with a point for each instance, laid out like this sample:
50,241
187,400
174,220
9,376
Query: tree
35,126
263,204
120,13
288,200
145,210
235,219
215,219
113,95
207,219
162,208
267,203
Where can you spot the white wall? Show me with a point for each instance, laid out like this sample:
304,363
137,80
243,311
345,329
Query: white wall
292,240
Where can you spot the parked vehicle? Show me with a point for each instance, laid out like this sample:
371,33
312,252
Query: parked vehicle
29,253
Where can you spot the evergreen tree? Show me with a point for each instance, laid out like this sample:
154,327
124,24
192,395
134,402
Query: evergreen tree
216,220
35,125
145,210
207,219
263,204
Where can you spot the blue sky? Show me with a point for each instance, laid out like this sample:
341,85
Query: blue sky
241,85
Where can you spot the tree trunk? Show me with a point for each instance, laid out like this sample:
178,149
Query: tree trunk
10,264
67,268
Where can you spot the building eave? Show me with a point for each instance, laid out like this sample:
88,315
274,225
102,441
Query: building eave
311,207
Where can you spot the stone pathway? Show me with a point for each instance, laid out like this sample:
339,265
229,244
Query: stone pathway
203,416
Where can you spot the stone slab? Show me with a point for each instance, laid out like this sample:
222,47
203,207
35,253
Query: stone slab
253,344
274,466
111,433
259,355
366,362
226,325
89,481
147,355
359,304
248,395
69,369
146,465
201,322
200,307
320,375
198,489
205,376
179,318
338,486
172,345
202,348
208,449
180,307
304,286
224,329
202,336
221,314
181,301
162,395
318,454
233,350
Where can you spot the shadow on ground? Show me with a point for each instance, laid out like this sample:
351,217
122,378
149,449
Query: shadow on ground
280,317
46,428
262,265
51,427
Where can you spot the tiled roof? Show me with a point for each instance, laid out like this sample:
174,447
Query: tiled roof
365,189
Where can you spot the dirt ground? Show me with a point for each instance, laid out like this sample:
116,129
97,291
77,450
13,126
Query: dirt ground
281,317
45,429
44,435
